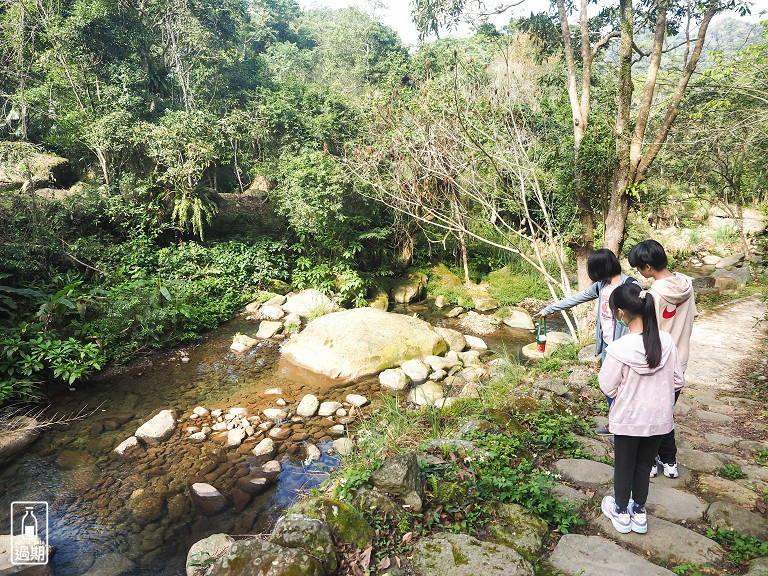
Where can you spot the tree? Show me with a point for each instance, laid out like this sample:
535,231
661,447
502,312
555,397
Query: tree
452,153
637,140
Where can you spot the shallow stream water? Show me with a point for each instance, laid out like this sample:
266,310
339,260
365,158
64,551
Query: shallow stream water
140,508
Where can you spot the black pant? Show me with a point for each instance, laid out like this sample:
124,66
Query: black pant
633,458
668,448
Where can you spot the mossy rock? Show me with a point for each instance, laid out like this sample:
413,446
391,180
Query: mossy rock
445,277
279,287
262,558
377,502
310,534
520,530
506,419
346,523
525,405
444,492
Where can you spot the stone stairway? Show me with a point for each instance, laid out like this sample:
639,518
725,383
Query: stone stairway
715,426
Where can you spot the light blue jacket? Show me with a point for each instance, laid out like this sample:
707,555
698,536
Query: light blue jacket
591,293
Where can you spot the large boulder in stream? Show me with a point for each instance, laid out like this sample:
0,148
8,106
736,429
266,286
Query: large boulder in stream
353,344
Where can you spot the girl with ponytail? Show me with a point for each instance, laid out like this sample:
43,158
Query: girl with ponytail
642,373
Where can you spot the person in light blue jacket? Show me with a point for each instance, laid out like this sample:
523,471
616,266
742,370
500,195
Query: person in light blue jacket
603,267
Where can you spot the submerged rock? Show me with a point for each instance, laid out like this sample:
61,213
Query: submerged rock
158,429
207,499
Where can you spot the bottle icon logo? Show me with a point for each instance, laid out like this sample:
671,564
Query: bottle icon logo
29,533
29,523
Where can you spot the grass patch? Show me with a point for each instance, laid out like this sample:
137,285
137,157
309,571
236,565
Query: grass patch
731,471
510,286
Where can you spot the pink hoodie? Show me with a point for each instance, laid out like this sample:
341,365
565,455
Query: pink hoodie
643,396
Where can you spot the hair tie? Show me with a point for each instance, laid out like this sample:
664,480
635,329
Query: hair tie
642,294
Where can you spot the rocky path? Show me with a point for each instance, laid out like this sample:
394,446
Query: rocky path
716,425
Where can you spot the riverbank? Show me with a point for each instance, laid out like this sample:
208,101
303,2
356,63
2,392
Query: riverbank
526,441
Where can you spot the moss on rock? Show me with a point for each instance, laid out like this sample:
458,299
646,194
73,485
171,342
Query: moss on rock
346,523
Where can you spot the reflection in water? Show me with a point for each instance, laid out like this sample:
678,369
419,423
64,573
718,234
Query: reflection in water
141,508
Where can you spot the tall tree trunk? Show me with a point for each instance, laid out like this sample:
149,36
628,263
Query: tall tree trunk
584,243
618,208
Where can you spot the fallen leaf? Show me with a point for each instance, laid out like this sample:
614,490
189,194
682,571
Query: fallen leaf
407,537
365,557
384,564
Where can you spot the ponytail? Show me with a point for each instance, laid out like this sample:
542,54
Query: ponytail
637,302
651,339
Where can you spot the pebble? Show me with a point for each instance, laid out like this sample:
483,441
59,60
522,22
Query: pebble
216,413
281,402
198,437
357,400
275,414
313,452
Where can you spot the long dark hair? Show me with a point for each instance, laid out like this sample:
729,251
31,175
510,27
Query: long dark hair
627,297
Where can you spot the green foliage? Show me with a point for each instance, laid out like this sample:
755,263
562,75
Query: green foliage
335,233
511,468
741,548
172,294
26,356
732,471
762,457
510,287
350,482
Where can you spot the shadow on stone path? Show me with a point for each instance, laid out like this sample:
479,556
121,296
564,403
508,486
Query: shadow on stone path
715,425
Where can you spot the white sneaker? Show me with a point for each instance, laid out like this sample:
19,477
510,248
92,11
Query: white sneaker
670,470
621,520
655,468
638,520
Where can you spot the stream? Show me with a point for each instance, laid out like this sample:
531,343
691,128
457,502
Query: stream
94,496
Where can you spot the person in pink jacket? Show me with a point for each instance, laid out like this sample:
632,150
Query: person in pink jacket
642,373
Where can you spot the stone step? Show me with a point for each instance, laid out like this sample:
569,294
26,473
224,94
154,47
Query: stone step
666,542
576,554
675,505
585,473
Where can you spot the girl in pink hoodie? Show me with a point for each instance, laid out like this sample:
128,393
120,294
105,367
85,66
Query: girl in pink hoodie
642,373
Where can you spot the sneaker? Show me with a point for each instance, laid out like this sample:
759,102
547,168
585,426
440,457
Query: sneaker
655,468
637,517
602,430
620,519
670,470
